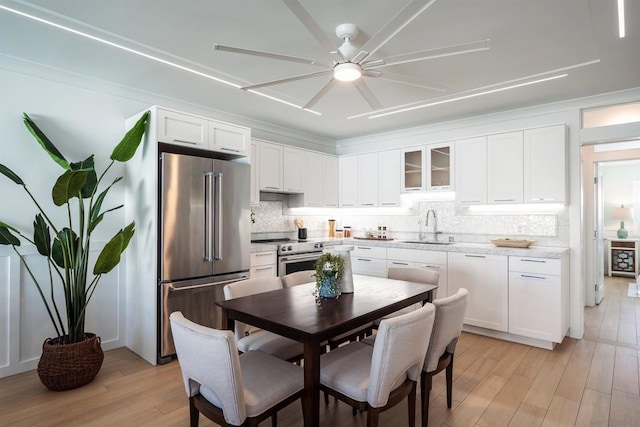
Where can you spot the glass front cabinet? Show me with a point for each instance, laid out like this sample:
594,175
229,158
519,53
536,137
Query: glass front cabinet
427,168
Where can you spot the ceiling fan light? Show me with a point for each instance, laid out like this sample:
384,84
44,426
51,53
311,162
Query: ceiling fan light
347,72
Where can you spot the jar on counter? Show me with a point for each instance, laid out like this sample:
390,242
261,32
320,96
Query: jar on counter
339,233
347,232
332,228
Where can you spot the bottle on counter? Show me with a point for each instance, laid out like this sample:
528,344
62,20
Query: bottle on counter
379,235
384,231
332,228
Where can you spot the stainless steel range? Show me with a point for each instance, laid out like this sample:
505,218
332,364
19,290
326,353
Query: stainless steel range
298,256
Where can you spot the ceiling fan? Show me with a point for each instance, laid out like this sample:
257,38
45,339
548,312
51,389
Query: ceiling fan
350,63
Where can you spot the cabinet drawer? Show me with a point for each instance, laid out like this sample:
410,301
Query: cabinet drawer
369,252
263,258
263,271
535,265
620,244
369,266
417,255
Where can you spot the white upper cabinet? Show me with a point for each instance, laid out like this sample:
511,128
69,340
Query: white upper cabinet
368,179
293,170
255,173
505,160
330,181
270,173
183,129
314,172
228,138
389,173
348,181
199,132
545,165
471,171
440,167
412,169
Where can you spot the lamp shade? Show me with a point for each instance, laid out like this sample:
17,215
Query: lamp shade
621,213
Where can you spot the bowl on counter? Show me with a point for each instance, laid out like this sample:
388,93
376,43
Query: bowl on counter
512,243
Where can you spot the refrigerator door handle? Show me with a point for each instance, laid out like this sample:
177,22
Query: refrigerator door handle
208,214
173,288
217,249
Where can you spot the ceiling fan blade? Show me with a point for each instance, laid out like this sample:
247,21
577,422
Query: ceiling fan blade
438,52
301,13
371,73
412,81
286,80
366,93
320,93
393,27
270,55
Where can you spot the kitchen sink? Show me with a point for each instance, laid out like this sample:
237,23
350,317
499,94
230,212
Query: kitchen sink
429,242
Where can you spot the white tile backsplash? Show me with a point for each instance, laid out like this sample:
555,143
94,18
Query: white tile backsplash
548,229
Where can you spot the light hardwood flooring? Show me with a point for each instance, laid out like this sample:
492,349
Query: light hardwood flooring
589,382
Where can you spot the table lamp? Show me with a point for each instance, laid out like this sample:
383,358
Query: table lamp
623,214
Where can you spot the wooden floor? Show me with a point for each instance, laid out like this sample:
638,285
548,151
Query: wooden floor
589,382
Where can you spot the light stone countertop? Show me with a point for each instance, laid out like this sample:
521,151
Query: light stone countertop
476,248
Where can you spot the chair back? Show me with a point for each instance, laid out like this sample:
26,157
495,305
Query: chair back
209,358
247,287
299,278
413,274
446,328
398,353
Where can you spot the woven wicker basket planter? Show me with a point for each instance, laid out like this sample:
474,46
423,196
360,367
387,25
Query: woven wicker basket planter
69,366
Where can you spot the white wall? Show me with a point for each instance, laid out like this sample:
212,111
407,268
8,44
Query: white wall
617,187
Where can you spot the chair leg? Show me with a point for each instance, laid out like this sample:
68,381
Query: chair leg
425,391
274,420
194,415
411,403
372,416
326,398
449,373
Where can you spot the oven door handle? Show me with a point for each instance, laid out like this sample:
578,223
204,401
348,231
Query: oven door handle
310,255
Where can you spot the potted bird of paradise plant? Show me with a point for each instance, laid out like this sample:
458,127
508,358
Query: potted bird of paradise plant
73,357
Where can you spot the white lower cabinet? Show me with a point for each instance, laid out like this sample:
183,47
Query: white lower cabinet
369,260
537,298
264,264
486,279
433,260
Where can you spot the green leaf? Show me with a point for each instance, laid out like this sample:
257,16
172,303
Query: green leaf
45,142
95,209
110,255
125,150
94,222
41,236
10,174
6,237
64,243
68,185
92,179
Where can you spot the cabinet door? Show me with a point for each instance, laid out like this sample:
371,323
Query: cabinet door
439,167
255,173
535,306
348,181
330,181
505,161
486,279
412,169
314,179
229,138
545,165
183,129
293,170
389,171
270,166
368,179
471,171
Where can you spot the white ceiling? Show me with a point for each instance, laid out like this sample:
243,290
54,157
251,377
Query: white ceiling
526,38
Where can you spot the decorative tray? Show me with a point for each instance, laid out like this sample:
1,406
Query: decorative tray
512,243
372,238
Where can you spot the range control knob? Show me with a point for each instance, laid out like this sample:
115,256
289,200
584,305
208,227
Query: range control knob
318,245
283,248
289,248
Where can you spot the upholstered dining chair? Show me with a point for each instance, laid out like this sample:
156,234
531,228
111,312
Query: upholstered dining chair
375,378
231,389
250,338
446,330
308,276
411,274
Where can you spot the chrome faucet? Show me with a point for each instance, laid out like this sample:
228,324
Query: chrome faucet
435,223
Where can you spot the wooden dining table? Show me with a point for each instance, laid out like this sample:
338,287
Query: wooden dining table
295,313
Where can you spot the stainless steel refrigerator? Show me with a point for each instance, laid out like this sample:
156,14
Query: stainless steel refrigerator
205,238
